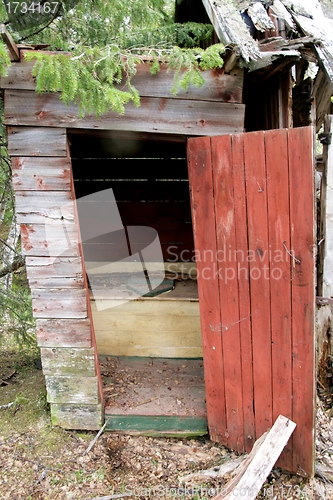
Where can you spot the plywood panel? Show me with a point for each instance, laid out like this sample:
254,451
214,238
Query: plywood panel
36,141
157,328
158,115
41,174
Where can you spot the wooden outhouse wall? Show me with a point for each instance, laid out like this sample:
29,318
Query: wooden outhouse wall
42,180
37,126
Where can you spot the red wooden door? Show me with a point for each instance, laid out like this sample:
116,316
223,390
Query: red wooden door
252,202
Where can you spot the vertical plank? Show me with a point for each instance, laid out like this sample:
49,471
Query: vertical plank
243,288
301,178
227,274
279,235
203,218
327,213
259,278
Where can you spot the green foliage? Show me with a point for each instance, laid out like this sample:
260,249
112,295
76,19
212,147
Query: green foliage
4,59
91,78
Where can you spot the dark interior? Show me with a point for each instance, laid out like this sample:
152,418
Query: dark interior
148,175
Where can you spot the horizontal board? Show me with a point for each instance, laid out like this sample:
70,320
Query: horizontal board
77,389
36,141
157,425
137,190
56,282
130,168
42,174
218,86
56,267
159,115
19,76
44,207
149,328
77,417
63,332
68,361
59,303
56,240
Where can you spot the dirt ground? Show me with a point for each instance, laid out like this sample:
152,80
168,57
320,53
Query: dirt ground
38,461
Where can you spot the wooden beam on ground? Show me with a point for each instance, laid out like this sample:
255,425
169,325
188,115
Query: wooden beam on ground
327,210
259,463
11,45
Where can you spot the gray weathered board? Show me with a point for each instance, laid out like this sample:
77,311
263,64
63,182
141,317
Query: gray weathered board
162,115
52,240
34,141
68,361
250,479
59,303
63,332
54,267
41,174
77,416
218,85
72,389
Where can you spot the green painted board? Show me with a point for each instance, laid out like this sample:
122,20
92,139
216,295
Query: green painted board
157,425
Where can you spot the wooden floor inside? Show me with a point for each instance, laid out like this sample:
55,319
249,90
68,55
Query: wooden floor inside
154,396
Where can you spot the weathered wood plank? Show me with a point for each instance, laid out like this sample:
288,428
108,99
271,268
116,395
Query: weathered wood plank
63,332
77,282
59,303
77,417
165,426
203,216
68,361
41,174
252,476
218,85
228,284
280,297
327,213
75,390
303,248
51,240
44,207
36,141
255,171
11,45
159,115
243,288
53,267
